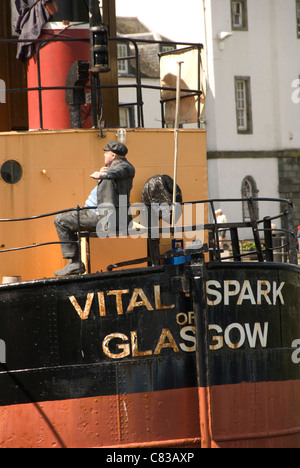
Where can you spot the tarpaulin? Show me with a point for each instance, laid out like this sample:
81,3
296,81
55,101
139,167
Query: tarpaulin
31,15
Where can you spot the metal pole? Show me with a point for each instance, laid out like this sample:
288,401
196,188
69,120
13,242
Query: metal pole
176,133
95,20
202,354
268,239
79,239
291,236
253,220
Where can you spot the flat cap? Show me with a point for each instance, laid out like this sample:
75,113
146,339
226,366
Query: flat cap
117,148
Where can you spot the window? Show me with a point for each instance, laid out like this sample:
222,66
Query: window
122,64
298,17
249,190
2,92
11,172
243,105
126,114
167,48
239,15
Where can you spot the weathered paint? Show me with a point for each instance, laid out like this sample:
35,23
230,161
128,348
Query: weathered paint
109,359
250,374
255,415
106,421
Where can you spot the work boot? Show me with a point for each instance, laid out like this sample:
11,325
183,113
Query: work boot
72,268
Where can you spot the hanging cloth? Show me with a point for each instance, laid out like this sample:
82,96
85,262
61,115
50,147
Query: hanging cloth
31,15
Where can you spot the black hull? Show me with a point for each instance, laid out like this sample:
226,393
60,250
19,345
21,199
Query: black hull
133,333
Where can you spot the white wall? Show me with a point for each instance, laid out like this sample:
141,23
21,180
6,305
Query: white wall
268,52
288,69
151,100
225,178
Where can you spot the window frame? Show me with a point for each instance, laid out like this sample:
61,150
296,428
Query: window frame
165,48
253,194
248,127
122,63
243,14
297,4
129,117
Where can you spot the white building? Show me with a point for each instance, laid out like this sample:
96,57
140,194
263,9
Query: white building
252,51
252,116
148,54
252,98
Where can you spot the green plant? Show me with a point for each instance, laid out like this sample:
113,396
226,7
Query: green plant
248,246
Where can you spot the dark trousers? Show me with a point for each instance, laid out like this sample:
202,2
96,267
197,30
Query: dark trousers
67,228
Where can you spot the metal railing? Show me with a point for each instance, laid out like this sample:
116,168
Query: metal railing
264,249
265,246
137,78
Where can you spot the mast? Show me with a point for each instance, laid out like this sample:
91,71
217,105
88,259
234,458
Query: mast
176,135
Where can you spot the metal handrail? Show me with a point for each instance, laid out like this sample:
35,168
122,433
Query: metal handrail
214,228
41,42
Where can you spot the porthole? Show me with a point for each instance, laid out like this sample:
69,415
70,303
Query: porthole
11,172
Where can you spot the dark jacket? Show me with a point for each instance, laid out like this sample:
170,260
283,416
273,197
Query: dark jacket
118,184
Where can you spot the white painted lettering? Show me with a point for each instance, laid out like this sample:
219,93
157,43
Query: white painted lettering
212,292
83,314
182,318
242,334
277,293
163,343
218,340
252,336
158,303
190,338
235,336
230,292
124,348
246,294
138,292
233,292
263,289
138,299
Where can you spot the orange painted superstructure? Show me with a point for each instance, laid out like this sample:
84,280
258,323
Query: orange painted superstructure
56,176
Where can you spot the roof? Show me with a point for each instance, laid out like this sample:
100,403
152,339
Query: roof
149,61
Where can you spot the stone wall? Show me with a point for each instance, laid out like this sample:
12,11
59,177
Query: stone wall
289,182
